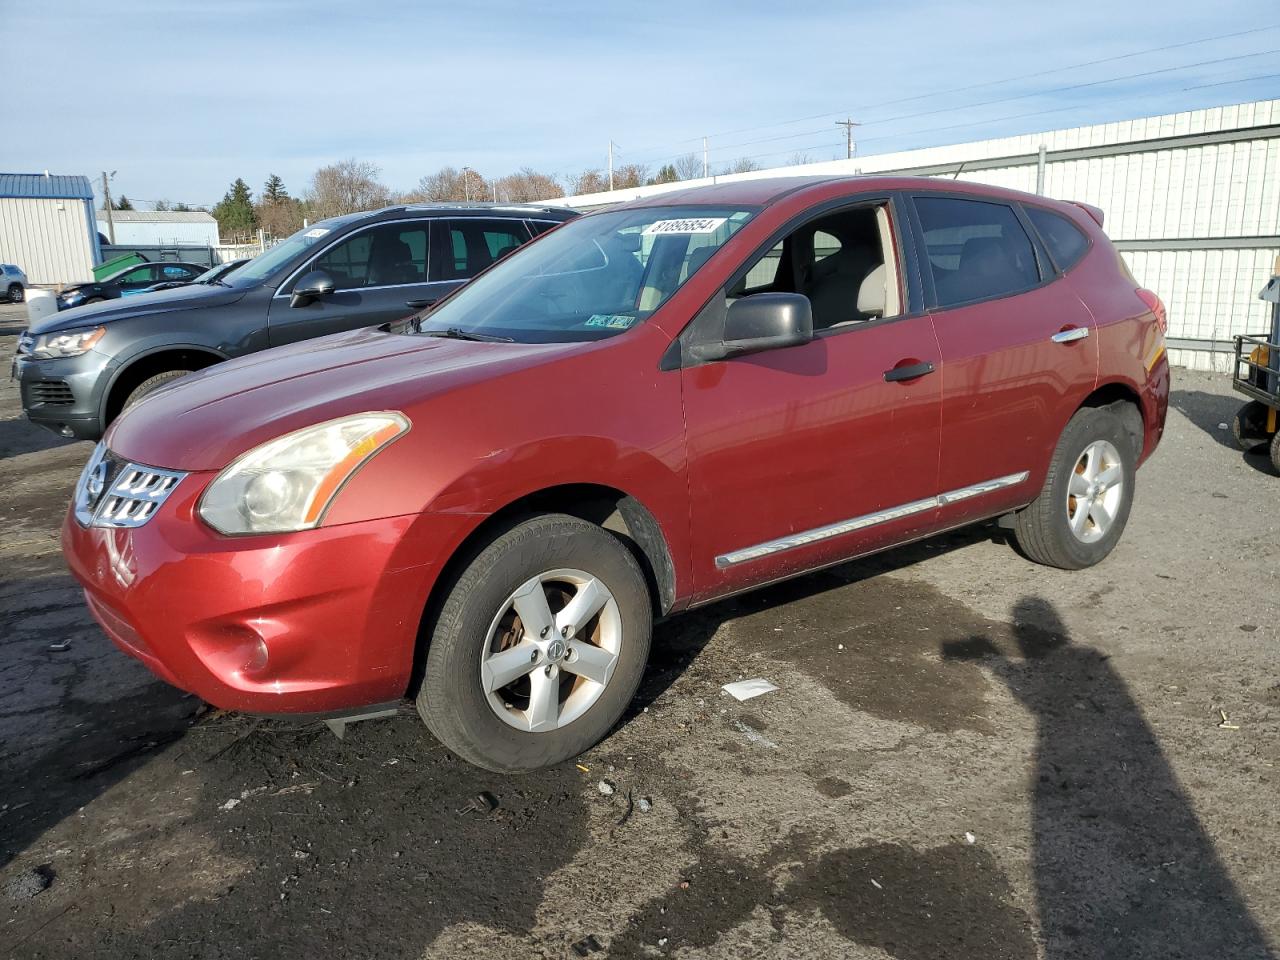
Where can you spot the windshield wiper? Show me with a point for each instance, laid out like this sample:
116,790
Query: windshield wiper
457,333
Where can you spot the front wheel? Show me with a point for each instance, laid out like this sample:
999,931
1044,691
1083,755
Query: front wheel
539,646
151,384
16,294
1080,514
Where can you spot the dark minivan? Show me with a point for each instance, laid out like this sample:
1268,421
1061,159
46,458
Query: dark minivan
79,368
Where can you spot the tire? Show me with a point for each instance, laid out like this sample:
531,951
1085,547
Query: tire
93,300
1094,446
1249,426
1275,452
478,618
16,293
151,384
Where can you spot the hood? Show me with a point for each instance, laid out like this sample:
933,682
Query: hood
179,298
207,419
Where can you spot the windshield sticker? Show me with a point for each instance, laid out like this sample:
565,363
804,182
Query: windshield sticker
316,233
611,321
685,226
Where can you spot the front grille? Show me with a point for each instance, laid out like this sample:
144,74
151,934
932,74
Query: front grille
112,492
55,393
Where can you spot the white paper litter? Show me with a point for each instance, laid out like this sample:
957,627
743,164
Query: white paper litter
746,689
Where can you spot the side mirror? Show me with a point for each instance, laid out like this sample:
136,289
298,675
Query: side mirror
764,321
311,286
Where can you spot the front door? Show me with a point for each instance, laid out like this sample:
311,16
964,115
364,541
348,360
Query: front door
1017,350
803,456
379,274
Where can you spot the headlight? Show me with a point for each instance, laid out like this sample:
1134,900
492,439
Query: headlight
68,343
288,483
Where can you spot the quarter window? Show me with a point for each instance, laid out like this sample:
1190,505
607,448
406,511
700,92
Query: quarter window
975,250
388,255
1066,243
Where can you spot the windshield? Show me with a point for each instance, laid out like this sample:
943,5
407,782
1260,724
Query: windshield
595,277
266,264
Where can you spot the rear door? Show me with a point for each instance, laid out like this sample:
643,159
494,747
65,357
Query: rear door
380,272
468,245
1018,355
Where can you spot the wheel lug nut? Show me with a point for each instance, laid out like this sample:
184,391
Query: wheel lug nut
545,631
533,656
565,632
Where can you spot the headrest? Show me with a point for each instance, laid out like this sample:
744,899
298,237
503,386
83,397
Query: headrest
872,294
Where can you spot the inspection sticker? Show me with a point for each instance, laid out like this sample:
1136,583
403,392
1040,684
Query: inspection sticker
316,233
613,321
687,225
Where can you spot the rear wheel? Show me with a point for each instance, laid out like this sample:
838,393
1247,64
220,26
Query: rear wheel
539,646
152,384
1084,506
94,300
1249,426
1275,452
16,294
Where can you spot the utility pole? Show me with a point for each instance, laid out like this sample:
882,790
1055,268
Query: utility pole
704,157
610,164
466,183
106,192
848,125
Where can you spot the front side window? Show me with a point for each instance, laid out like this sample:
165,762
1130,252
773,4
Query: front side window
1066,243
143,274
595,277
975,250
387,255
843,262
275,260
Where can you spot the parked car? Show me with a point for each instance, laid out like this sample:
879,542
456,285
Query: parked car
13,282
79,369
652,408
211,276
129,281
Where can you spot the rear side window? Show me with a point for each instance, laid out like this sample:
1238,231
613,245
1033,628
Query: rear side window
975,250
1066,243
472,244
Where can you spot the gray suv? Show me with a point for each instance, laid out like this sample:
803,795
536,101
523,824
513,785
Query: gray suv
78,369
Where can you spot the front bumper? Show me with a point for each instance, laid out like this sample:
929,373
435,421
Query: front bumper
65,394
318,621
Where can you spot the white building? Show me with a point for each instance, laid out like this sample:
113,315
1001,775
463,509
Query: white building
1191,199
157,228
47,227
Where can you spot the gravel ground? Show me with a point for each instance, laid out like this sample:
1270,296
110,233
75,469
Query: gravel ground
968,757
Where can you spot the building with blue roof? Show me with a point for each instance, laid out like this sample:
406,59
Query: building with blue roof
48,227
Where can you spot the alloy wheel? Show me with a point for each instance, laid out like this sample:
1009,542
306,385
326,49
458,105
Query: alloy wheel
1095,491
551,650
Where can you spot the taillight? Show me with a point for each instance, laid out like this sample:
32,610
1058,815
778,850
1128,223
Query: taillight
1156,306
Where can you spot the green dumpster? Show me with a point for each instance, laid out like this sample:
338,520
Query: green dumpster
117,264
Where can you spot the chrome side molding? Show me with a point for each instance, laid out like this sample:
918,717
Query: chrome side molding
818,534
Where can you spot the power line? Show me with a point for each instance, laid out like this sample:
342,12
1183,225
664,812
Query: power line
953,90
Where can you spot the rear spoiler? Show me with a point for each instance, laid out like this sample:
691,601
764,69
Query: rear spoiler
1090,209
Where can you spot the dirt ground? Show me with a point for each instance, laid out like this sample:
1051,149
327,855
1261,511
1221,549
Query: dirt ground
968,757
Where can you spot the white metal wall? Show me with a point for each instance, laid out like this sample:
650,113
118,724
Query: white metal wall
1199,223
47,238
162,232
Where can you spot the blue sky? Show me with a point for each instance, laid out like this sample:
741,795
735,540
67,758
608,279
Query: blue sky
182,97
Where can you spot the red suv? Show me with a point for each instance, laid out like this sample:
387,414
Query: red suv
652,407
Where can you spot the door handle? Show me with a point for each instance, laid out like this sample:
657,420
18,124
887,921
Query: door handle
417,304
1070,335
912,371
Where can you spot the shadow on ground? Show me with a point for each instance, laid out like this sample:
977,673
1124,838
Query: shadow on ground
1209,411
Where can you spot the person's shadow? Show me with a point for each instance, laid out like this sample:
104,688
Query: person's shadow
1122,865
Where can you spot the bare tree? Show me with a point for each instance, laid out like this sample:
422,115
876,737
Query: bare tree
799,158
630,175
588,181
742,165
281,217
689,167
346,187
528,184
451,185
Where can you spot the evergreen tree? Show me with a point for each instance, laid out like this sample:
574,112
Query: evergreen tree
235,214
122,204
273,190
